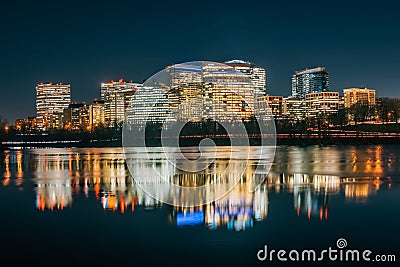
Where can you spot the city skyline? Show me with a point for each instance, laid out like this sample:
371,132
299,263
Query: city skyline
98,95
310,97
76,43
134,85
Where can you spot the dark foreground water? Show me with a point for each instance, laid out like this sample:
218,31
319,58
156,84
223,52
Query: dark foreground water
82,207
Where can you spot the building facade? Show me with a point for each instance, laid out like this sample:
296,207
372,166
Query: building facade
321,103
51,100
96,114
26,125
196,91
293,108
76,117
117,96
359,95
275,103
309,81
233,93
257,74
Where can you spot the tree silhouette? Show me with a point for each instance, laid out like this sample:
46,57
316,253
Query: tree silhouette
389,109
359,112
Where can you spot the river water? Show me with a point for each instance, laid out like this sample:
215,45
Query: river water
82,206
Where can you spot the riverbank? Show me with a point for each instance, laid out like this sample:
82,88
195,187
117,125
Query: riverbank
281,139
193,133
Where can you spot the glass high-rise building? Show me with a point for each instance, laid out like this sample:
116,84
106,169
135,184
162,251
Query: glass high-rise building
256,74
51,100
210,90
197,91
117,96
309,81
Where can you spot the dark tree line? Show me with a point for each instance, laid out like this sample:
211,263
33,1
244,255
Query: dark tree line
389,109
3,129
386,110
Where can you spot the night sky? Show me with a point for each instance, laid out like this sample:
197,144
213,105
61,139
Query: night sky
84,44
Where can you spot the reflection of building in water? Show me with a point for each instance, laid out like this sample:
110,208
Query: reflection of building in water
310,202
310,192
13,167
236,211
7,173
328,183
124,195
60,176
103,174
359,189
53,194
356,190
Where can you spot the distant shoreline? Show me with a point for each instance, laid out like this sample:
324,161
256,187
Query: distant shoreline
192,134
300,141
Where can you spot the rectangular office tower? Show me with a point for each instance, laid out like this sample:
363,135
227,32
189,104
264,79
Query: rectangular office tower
309,81
257,74
359,95
197,92
51,100
117,96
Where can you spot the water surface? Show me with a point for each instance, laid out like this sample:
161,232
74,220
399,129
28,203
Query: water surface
70,206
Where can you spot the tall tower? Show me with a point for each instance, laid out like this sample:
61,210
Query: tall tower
117,96
257,74
51,100
309,81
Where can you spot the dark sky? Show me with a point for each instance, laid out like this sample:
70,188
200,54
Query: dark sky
86,43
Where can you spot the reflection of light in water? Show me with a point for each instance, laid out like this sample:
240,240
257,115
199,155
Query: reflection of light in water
329,183
356,190
310,202
311,192
360,188
103,174
7,173
53,194
238,209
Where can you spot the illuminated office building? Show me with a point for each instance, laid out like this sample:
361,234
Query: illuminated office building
233,91
180,74
359,95
321,103
196,91
25,124
257,74
275,103
309,81
293,108
76,116
117,96
149,104
96,114
51,100
222,91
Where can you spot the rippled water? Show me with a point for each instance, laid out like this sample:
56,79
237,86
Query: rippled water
69,206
